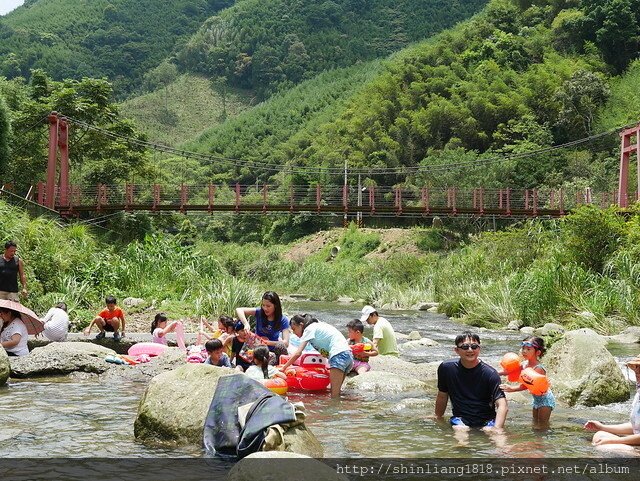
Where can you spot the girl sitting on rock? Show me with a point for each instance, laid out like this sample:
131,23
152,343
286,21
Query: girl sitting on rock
621,437
160,327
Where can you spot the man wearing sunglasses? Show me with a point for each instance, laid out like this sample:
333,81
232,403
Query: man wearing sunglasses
472,385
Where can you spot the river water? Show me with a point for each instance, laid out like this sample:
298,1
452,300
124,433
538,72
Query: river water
62,417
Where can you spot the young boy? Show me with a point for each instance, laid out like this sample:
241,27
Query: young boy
355,330
110,319
217,356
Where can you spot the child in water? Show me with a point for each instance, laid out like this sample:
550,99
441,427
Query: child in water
532,349
160,327
355,334
261,368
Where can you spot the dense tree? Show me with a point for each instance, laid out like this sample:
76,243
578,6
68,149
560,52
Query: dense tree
95,157
270,45
118,39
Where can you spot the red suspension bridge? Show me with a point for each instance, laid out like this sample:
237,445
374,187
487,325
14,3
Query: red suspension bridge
58,194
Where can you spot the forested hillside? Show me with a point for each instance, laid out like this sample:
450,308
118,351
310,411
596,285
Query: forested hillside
518,77
270,45
117,39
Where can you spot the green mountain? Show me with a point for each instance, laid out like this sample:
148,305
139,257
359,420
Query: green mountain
117,39
518,77
270,45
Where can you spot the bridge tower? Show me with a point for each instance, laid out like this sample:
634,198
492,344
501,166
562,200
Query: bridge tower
626,148
58,143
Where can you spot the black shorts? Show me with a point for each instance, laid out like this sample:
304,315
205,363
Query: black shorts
108,327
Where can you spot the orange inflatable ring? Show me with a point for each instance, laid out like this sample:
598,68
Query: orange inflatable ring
276,385
534,381
511,365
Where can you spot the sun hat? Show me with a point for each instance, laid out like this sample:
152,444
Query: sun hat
366,312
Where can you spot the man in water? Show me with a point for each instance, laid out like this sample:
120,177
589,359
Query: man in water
384,338
11,266
472,385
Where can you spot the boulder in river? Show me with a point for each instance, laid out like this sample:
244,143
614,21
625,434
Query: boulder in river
379,381
59,358
425,372
176,403
631,335
414,336
418,344
582,371
549,328
5,367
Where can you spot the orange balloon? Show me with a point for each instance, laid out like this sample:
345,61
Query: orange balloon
535,382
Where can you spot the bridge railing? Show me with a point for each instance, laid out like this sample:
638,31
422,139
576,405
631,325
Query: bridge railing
372,200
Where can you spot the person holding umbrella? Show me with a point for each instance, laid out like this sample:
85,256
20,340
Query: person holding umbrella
19,321
14,333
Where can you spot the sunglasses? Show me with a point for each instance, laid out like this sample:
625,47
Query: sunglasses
530,344
466,347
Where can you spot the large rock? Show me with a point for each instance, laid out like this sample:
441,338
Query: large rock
175,404
300,440
582,371
5,367
425,372
281,465
132,301
414,336
549,328
417,345
61,358
631,335
378,381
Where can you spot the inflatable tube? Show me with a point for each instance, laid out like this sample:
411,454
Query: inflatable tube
534,381
511,364
276,385
307,379
148,348
360,347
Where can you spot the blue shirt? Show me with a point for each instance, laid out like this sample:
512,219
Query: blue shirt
223,362
265,328
325,338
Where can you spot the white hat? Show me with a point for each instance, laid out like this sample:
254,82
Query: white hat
366,312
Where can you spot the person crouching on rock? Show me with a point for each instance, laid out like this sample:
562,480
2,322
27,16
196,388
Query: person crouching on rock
110,319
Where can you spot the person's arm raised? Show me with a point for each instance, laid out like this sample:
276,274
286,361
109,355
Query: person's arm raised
243,312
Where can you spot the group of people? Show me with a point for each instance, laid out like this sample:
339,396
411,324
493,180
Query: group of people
232,343
477,393
13,331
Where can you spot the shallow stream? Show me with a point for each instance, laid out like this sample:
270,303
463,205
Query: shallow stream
62,417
